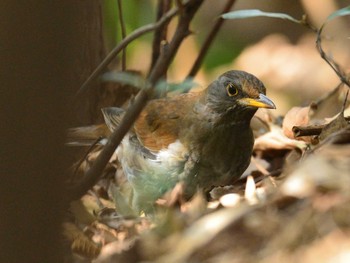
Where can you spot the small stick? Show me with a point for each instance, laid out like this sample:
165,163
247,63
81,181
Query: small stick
126,41
330,61
209,40
86,154
311,130
122,25
160,33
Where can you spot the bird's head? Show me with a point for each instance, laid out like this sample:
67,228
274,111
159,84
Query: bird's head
236,95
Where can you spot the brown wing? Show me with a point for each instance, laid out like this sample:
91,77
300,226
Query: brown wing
160,122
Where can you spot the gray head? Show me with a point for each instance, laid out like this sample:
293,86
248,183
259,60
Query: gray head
237,95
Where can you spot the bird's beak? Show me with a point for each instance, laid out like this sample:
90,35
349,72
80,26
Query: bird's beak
261,102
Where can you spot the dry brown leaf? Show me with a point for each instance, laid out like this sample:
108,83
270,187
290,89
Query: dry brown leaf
80,243
315,116
296,116
329,105
276,140
201,232
326,170
335,125
83,209
112,252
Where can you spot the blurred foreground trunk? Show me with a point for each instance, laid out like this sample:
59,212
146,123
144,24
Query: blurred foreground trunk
88,54
39,53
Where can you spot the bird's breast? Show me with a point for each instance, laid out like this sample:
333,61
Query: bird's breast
225,154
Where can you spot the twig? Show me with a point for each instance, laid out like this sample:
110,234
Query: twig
305,22
101,206
126,41
163,63
182,31
122,26
86,154
180,6
345,102
260,168
323,54
211,36
93,174
160,33
330,61
339,137
311,130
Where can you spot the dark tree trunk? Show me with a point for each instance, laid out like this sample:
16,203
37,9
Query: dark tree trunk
47,49
90,52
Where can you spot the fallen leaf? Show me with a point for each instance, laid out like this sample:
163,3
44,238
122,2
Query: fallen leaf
296,116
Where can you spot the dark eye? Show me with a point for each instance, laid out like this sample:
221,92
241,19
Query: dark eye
231,89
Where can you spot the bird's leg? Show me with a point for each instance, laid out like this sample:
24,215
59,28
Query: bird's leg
190,174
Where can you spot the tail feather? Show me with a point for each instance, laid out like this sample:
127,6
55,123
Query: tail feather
87,135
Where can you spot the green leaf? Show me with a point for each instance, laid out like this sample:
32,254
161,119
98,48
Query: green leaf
162,87
341,12
165,87
256,13
128,78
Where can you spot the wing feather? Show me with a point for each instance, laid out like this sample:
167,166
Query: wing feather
112,116
160,122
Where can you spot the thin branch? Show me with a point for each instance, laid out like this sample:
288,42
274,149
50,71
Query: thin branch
180,5
126,41
182,31
122,26
160,33
311,130
343,78
86,155
306,23
162,65
210,38
94,173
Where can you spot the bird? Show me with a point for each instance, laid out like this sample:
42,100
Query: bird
202,139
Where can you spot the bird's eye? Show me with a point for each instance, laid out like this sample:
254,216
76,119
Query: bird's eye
231,89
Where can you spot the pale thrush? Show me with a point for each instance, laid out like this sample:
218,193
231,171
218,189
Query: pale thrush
201,138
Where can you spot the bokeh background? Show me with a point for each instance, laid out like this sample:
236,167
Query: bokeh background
282,54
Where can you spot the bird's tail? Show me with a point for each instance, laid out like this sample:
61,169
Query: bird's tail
87,135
